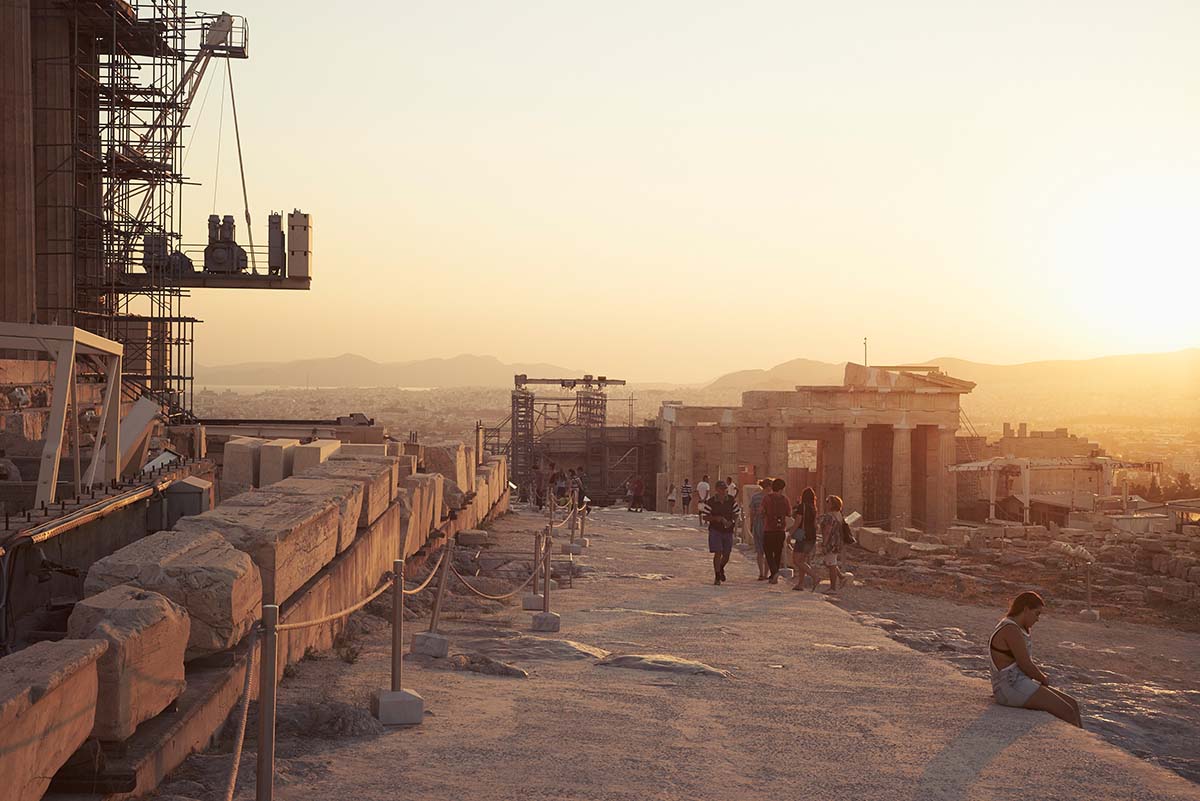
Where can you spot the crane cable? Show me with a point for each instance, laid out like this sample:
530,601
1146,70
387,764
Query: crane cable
217,168
242,168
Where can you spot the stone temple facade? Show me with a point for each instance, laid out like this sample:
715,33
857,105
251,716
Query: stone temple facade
884,441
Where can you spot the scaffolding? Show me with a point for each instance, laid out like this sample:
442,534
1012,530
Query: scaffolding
114,81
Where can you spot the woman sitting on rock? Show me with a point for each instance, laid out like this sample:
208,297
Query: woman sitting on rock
1016,681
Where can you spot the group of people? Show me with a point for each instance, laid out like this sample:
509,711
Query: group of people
1016,680
775,523
554,480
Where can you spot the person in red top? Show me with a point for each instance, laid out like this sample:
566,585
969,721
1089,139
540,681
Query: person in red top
638,488
775,511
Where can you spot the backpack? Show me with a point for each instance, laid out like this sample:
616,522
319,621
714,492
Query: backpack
847,534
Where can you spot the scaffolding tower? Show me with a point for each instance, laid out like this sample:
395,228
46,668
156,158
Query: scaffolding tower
113,82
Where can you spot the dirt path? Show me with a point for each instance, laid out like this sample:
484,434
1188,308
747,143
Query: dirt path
813,704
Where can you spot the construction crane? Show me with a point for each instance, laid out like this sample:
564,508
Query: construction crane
587,382
217,40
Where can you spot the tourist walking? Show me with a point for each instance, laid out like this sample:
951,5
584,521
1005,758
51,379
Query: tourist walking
638,488
685,497
1016,680
671,496
756,526
775,509
804,539
720,512
829,530
731,486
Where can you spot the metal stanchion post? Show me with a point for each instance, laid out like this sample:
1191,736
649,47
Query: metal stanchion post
546,586
398,707
443,580
1089,585
398,625
264,790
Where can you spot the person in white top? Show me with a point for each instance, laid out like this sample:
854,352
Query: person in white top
702,491
1016,680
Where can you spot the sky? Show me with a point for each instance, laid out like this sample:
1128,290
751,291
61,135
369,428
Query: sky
665,190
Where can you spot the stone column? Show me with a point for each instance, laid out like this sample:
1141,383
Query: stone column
17,293
777,453
729,452
852,468
901,477
946,482
683,457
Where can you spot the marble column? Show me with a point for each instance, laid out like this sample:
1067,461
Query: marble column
901,477
777,453
17,284
729,452
852,468
946,482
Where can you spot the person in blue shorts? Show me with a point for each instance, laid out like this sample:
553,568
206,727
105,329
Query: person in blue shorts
720,511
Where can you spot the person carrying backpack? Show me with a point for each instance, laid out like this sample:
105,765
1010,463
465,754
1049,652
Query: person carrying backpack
775,510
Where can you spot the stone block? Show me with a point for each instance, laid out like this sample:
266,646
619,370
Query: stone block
958,536
391,462
1194,575
375,478
430,644
1090,615
473,538
546,621
306,457
449,459
571,549
362,449
872,539
911,534
532,601
47,710
290,540
345,492
583,542
427,489
241,461
217,584
927,549
1177,590
401,708
276,460
406,464
141,673
453,496
897,547
787,573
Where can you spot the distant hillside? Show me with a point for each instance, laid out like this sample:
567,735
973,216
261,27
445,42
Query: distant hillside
351,370
1153,385
783,376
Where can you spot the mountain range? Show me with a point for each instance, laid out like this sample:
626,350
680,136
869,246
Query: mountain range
1142,379
1175,373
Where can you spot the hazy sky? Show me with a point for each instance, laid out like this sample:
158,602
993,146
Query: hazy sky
672,190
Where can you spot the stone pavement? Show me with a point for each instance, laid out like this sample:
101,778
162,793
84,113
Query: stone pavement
815,705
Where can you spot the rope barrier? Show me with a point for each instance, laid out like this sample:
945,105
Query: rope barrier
484,595
388,581
428,578
240,738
